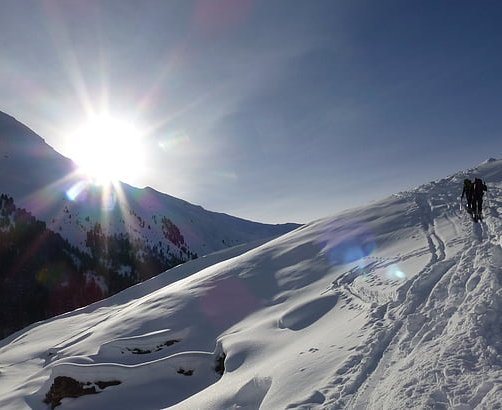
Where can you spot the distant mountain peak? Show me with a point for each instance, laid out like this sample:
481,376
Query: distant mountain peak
118,237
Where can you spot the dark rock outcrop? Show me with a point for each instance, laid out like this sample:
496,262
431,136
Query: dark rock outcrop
64,386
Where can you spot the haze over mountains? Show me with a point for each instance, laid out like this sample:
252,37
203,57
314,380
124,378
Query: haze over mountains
61,233
394,305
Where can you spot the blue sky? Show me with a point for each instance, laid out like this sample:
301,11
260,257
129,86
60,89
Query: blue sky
272,110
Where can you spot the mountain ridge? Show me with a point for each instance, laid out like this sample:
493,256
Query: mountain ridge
117,237
42,192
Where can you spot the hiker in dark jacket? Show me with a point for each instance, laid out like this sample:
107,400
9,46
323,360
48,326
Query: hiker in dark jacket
468,191
478,190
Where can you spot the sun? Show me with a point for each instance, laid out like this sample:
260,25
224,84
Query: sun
107,149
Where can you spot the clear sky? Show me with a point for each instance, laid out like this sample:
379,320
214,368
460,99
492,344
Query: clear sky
272,110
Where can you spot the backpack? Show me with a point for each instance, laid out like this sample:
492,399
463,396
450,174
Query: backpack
479,188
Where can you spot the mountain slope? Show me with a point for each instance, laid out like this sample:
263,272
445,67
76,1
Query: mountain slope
27,163
46,184
109,238
393,305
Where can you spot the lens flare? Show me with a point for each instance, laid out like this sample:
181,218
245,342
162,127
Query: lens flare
173,141
74,192
393,272
348,242
103,197
108,199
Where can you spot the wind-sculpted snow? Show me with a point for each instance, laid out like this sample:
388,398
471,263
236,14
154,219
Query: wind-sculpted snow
394,305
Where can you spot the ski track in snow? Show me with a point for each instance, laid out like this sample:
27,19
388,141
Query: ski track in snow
430,304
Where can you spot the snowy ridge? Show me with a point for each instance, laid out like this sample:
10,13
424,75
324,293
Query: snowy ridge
393,305
61,235
47,185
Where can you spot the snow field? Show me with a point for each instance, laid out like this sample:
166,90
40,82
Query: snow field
394,305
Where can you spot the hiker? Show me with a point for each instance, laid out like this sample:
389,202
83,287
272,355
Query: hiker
468,192
478,189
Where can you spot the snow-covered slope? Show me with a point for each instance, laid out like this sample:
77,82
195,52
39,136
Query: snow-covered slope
46,184
62,235
394,305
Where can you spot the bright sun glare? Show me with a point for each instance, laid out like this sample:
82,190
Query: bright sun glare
107,149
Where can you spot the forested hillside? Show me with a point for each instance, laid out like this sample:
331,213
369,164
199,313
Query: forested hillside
42,274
